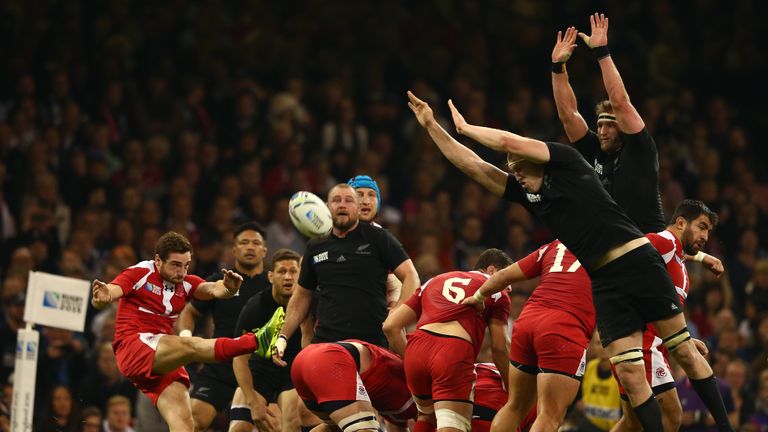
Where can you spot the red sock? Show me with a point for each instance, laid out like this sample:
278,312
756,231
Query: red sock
422,426
227,348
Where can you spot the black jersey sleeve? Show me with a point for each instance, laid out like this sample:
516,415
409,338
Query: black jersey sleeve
642,146
563,156
249,317
206,306
513,192
307,276
392,251
588,145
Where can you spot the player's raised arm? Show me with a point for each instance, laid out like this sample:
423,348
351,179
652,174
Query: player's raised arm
222,288
488,175
627,117
565,99
501,140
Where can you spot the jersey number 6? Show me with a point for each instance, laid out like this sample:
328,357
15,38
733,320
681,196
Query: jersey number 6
454,293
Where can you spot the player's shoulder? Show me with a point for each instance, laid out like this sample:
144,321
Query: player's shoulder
139,270
662,239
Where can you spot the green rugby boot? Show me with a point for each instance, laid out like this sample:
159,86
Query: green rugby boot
268,333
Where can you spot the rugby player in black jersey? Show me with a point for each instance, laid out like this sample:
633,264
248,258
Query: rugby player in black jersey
260,382
630,284
348,268
621,151
214,386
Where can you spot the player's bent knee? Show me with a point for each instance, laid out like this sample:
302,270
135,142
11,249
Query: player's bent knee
362,421
447,418
672,342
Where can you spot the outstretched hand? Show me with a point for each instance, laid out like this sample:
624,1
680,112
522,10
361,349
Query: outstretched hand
232,280
421,109
565,45
458,119
101,296
599,36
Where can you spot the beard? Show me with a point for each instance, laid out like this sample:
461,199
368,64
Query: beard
689,246
344,225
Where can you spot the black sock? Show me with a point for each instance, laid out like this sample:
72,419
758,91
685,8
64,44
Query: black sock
709,393
649,414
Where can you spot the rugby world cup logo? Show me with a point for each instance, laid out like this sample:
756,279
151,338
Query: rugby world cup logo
314,219
31,350
51,299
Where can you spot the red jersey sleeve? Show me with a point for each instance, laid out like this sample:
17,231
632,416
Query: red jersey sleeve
128,279
414,301
498,306
664,244
194,282
531,264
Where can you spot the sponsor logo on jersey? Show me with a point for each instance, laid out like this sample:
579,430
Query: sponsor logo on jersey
341,259
323,256
598,167
533,197
154,289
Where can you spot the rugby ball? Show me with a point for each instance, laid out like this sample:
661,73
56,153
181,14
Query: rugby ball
309,214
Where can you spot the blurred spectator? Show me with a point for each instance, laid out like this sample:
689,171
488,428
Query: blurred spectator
695,417
758,415
13,298
62,358
91,420
104,380
344,137
736,378
600,404
118,415
60,413
281,232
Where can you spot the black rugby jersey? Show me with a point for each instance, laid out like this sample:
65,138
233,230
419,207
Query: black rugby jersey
256,312
349,274
575,206
226,311
630,175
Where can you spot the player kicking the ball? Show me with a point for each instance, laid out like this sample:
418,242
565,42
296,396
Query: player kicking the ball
152,294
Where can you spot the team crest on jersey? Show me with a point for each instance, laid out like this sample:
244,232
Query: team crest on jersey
154,289
320,257
661,372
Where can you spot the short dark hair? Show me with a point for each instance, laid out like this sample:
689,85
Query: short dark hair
690,210
284,254
493,257
172,242
250,226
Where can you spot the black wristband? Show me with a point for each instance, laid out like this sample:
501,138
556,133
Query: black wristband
601,52
558,67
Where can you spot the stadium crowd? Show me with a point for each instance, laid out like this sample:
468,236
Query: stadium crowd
121,121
